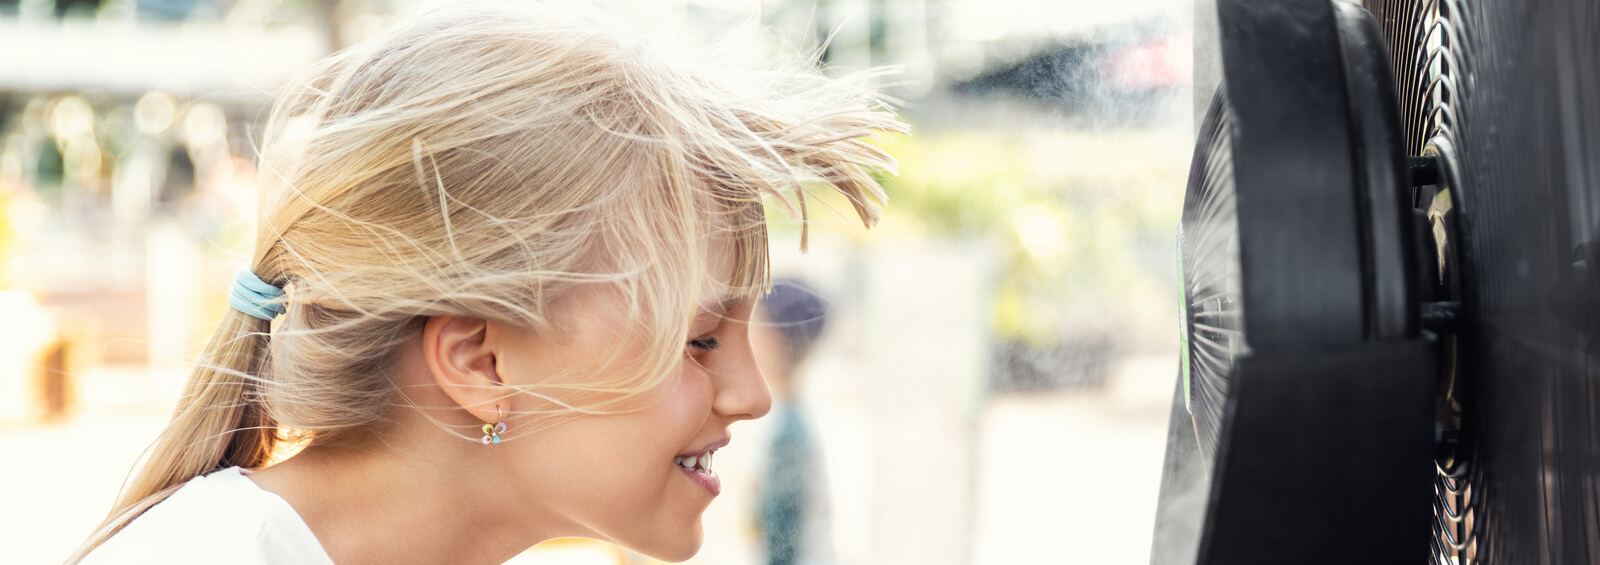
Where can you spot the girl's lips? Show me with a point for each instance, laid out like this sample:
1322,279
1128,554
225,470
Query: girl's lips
703,475
719,444
707,480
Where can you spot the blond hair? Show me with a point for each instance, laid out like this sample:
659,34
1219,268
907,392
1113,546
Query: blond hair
488,160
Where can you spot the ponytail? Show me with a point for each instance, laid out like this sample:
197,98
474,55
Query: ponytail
219,422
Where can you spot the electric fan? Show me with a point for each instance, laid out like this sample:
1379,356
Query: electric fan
1392,359
1306,367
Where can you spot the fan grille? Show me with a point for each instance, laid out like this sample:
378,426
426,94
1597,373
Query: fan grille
1428,40
1212,309
1511,87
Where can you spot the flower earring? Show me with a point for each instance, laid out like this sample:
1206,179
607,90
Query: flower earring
491,434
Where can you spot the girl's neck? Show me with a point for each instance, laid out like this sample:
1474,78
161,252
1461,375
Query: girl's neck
382,506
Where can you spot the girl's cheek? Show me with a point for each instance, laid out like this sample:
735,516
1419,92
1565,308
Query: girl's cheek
692,395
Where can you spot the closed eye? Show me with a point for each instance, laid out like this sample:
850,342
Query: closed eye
704,344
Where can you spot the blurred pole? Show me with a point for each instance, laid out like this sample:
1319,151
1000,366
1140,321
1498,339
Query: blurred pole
170,266
902,38
1185,479
328,17
925,325
25,344
1207,58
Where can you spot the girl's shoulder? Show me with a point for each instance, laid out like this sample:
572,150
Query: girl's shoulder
222,517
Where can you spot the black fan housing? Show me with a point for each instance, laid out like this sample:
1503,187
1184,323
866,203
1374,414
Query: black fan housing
1308,373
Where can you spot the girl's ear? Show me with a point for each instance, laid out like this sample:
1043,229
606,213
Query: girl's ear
462,359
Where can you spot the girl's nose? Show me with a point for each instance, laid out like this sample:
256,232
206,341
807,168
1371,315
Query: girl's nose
742,393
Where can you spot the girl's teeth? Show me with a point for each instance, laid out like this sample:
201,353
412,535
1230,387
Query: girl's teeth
699,463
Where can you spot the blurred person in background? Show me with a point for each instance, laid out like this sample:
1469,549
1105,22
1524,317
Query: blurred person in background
500,294
793,514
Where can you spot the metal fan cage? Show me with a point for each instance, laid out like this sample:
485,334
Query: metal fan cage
1507,93
1212,306
1428,42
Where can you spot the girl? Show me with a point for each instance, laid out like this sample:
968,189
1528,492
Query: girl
499,294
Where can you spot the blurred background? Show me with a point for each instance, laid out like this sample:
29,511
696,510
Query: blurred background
994,375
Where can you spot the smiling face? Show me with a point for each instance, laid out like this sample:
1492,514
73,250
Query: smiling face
626,478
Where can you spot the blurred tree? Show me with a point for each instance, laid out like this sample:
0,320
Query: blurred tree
1082,220
77,8
167,10
51,166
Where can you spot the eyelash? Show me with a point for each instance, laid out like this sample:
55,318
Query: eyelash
704,344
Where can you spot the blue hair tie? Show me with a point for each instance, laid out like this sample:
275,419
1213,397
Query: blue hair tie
254,296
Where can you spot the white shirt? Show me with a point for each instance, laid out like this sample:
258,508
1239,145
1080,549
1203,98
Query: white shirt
218,518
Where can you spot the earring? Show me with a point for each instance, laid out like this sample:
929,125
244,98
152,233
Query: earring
491,434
